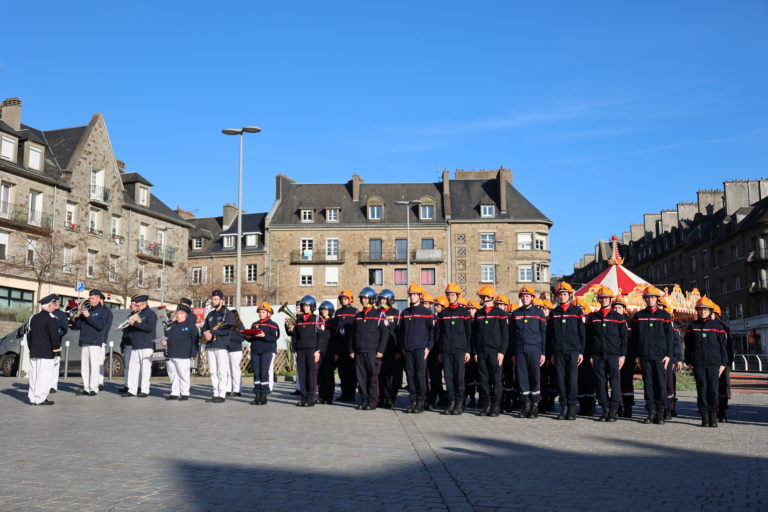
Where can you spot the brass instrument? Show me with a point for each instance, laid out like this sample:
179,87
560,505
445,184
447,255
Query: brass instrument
290,323
221,325
77,308
127,322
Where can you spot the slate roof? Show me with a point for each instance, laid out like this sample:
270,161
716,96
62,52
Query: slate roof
156,207
210,229
63,143
134,177
467,195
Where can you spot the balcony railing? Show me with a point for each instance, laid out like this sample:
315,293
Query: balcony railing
69,226
99,194
419,255
155,250
20,215
758,256
759,286
316,257
429,255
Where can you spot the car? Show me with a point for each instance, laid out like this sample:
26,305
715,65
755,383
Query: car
10,347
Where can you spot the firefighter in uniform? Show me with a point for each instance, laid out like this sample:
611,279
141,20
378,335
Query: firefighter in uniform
490,340
263,350
565,347
471,376
94,325
724,389
675,365
627,372
453,345
367,348
585,380
706,352
219,324
434,371
391,375
528,335
416,338
142,333
62,320
340,340
326,382
607,341
652,346
308,336
548,373
44,343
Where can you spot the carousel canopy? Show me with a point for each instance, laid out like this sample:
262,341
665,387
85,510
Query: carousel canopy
615,277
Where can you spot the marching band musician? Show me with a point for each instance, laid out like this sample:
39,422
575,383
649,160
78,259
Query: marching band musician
44,342
62,320
218,324
235,356
142,333
94,325
454,332
182,343
263,350
490,332
126,348
565,347
528,334
367,348
308,337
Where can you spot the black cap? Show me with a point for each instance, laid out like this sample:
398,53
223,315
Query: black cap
96,292
182,307
140,298
48,298
217,293
186,301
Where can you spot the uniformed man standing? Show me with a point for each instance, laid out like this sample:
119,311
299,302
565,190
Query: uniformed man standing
182,343
218,324
367,348
340,340
724,388
263,350
94,325
471,375
125,347
308,337
142,331
490,333
528,333
326,383
62,321
416,337
434,369
652,345
43,339
454,338
627,372
565,347
675,364
391,375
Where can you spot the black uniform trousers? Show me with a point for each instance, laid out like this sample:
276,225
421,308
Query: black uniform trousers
627,380
326,383
670,384
586,385
529,376
260,366
391,376
548,384
415,367
453,367
654,384
707,383
368,368
567,367
508,380
472,378
724,390
607,372
490,375
306,369
435,380
347,375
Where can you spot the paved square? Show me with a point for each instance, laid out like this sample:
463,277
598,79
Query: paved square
109,453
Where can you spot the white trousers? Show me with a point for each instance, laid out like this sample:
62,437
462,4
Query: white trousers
102,367
55,372
126,363
218,364
40,371
91,358
235,373
141,364
178,371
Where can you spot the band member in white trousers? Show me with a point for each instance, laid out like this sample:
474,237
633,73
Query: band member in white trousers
43,340
62,321
141,329
235,354
181,342
217,331
94,325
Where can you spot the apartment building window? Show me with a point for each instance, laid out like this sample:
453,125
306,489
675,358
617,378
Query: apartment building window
736,281
427,212
427,243
228,241
738,312
4,245
487,241
693,263
305,276
5,199
67,257
7,148
97,185
525,273
332,215
249,300
735,253
228,274
90,264
112,267
197,244
307,246
723,286
374,248
375,277
487,273
307,216
197,275
93,222
31,254
250,273
524,241
250,240
114,231
705,258
332,249
375,211
143,234
331,276
35,159
401,276
707,286
541,273
401,248
666,268
487,211
35,208
143,196
140,274
428,276
540,242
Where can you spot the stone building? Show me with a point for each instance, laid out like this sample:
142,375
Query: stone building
70,213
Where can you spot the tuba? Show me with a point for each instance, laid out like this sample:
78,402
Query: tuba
290,323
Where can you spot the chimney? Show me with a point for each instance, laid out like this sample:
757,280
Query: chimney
10,113
356,181
120,165
686,212
668,220
504,177
736,195
447,193
649,224
709,201
626,237
636,232
181,212
230,214
281,185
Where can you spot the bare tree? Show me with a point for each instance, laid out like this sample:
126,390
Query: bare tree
40,260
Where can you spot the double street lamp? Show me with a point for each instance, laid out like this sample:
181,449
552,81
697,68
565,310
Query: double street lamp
238,262
407,205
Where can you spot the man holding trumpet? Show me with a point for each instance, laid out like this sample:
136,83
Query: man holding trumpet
141,330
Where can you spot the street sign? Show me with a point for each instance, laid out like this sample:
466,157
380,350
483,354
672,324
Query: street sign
80,286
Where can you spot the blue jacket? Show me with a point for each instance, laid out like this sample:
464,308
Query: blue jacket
94,329
490,331
652,335
371,332
236,340
416,328
528,329
62,320
143,334
269,342
565,330
454,330
309,333
343,329
706,344
393,320
222,335
606,336
43,337
182,340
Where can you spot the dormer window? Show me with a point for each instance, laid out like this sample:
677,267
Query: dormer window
375,208
487,211
229,241
250,240
307,215
197,243
35,159
427,212
331,215
7,148
143,196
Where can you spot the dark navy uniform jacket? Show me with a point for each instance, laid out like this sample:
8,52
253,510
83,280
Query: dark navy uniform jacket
565,330
454,329
416,330
706,344
344,328
393,321
490,331
143,333
309,333
528,329
652,335
269,342
236,340
182,340
371,331
607,335
94,329
43,337
222,335
62,320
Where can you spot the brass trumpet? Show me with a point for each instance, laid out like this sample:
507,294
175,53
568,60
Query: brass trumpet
127,322
77,308
221,325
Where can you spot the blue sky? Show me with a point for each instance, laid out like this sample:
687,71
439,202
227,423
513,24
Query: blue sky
604,110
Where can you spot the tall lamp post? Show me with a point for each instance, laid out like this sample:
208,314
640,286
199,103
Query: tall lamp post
495,242
238,261
407,205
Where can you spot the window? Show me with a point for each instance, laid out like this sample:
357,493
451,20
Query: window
93,221
5,199
114,231
525,273
70,216
140,277
723,286
332,276
228,241
374,211
307,216
374,247
401,249
35,208
705,258
6,149
428,276
197,243
738,313
250,273
706,286
524,241
736,281
229,273
487,211
143,234
734,253
540,242
97,185
332,215
31,252
143,196
487,273
693,263
196,275
401,276
487,241
332,249
35,159
305,276
112,267
541,273
666,268
3,245
90,267
250,240
427,243
375,277
249,300
427,212
307,246
68,251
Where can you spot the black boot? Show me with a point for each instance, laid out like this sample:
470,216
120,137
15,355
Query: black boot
668,413
603,417
613,413
495,410
263,398
525,412
458,408
534,411
571,414
450,409
704,419
419,407
485,411
563,413
411,408
256,400
651,418
660,416
713,419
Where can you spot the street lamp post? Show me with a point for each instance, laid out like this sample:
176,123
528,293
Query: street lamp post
239,257
407,205
495,242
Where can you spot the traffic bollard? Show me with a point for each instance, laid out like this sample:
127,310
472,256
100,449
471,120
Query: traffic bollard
111,361
66,359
